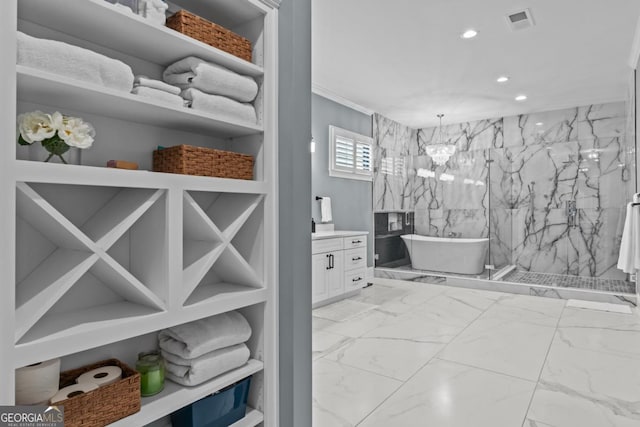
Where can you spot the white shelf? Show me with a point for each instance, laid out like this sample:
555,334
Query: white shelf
57,335
29,171
214,293
40,86
95,21
175,396
251,419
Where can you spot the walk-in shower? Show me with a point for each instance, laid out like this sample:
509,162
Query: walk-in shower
548,190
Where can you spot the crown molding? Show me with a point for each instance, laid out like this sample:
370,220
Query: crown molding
325,93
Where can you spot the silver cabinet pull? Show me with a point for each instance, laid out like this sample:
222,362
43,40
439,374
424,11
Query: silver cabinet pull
355,242
357,279
358,258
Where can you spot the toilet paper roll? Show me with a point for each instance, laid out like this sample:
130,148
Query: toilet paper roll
37,383
72,391
101,376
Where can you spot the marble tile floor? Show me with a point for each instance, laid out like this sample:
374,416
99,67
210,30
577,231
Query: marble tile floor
433,355
567,281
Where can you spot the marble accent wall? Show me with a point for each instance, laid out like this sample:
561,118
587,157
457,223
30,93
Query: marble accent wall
511,179
395,145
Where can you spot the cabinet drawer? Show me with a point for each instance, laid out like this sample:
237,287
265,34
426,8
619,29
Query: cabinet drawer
355,258
355,242
326,245
355,279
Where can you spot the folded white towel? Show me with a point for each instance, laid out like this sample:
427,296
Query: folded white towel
192,72
158,95
325,209
145,81
194,339
192,372
153,10
73,62
220,105
629,257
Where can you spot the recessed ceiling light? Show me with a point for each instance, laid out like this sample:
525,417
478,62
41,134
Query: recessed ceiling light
469,34
539,124
502,79
521,98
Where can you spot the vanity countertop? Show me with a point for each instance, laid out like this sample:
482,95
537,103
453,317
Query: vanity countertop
336,233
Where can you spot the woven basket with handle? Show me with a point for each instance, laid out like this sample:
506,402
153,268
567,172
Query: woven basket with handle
190,160
103,406
212,34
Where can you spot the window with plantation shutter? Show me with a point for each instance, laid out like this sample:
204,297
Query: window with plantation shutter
350,154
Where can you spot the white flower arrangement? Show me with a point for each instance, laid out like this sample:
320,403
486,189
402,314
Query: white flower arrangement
56,133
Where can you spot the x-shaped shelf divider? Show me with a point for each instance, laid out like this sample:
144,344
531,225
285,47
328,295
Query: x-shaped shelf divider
77,253
201,229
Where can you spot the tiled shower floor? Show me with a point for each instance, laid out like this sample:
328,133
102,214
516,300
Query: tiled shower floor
564,281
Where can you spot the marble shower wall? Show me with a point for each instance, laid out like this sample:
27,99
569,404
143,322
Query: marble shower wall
394,146
549,159
511,179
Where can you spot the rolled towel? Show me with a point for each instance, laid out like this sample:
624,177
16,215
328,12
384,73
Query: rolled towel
192,72
73,62
194,339
220,105
158,95
145,81
192,372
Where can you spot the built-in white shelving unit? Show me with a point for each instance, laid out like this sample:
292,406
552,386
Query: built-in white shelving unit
92,257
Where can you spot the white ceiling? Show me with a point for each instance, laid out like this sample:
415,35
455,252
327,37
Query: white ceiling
405,58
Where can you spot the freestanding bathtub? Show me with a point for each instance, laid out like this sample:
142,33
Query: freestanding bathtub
446,255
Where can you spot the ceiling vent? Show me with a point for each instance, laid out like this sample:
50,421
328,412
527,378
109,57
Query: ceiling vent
520,20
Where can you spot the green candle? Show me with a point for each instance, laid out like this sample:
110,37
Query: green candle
151,368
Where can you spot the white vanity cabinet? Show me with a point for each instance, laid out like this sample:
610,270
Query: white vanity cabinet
339,265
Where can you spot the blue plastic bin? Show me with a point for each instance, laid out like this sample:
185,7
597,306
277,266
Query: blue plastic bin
218,410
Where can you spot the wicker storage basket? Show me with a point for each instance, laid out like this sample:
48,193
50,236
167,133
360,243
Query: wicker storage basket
212,34
190,160
105,405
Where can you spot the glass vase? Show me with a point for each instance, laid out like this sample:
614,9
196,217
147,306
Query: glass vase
40,154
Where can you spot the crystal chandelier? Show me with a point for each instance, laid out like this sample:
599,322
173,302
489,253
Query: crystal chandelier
440,152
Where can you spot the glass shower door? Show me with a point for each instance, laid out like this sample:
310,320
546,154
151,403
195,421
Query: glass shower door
557,208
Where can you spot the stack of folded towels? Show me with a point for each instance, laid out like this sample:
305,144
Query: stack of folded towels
212,88
158,90
73,62
199,351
